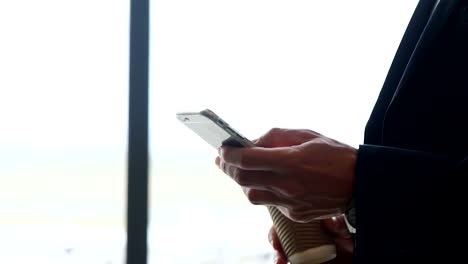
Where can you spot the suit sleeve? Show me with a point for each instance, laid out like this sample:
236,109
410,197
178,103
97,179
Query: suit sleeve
406,203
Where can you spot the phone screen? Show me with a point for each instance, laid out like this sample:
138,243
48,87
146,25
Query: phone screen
213,129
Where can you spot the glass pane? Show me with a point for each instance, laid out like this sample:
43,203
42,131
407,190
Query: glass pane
258,64
63,110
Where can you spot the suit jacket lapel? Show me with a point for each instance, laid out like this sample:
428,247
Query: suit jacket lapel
408,43
433,27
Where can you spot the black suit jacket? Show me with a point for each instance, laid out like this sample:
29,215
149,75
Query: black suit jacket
411,168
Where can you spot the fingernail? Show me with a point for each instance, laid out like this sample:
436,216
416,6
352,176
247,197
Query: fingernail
270,238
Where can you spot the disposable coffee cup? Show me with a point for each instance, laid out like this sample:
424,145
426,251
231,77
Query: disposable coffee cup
303,243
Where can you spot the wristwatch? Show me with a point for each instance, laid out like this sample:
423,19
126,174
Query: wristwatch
350,217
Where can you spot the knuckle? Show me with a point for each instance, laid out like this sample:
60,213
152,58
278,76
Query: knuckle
242,161
226,168
275,131
310,131
226,154
240,177
222,166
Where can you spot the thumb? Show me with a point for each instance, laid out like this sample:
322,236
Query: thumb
274,240
337,226
339,231
280,137
275,137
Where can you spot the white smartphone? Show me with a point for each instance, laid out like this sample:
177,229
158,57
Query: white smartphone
214,130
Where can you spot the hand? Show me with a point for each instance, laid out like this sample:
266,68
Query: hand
306,175
337,229
280,257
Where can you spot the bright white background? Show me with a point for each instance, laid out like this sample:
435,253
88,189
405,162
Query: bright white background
63,121
257,63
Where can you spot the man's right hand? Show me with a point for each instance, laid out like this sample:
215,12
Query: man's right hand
338,230
305,175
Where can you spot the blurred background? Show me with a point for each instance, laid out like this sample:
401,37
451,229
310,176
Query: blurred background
259,64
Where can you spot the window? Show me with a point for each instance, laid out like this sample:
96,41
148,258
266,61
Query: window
258,64
63,115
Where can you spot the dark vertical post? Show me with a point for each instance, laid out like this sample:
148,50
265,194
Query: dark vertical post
137,192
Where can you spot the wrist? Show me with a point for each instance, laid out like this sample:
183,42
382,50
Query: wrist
350,216
350,210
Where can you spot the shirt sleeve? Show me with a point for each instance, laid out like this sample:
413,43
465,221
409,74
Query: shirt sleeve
405,200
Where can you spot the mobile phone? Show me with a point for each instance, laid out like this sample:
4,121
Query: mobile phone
214,130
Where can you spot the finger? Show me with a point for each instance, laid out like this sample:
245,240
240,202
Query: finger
274,241
337,226
262,197
266,159
217,161
338,229
305,215
271,137
264,180
346,245
276,137
280,258
279,137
